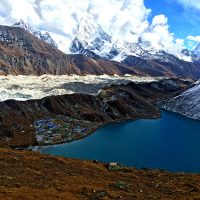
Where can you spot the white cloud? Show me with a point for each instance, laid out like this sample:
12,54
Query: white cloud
194,4
194,38
123,19
159,19
160,37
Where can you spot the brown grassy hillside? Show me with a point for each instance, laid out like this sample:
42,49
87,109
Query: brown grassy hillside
29,176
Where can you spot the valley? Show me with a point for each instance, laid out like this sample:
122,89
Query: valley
67,117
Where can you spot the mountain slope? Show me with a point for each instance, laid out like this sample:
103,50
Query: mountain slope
173,67
187,103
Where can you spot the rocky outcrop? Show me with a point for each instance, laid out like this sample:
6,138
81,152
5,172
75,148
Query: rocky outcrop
114,103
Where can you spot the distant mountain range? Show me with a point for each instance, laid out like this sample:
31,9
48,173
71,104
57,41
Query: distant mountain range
91,39
26,50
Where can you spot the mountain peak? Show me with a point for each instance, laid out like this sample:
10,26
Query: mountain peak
36,32
90,39
89,31
21,24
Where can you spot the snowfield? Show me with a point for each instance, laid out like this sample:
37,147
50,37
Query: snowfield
33,87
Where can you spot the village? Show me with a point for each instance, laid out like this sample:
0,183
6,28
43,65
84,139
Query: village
62,129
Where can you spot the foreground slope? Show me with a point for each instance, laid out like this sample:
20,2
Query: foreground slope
30,175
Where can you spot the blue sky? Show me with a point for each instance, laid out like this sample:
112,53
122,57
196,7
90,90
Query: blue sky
183,20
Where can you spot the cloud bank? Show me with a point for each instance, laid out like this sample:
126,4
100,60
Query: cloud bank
125,20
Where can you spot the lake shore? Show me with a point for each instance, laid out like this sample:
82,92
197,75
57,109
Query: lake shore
152,143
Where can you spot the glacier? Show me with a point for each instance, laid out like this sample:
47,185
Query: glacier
36,87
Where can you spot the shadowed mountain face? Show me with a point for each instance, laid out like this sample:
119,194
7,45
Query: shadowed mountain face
114,103
23,53
174,67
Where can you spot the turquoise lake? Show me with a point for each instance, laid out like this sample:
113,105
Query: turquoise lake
171,142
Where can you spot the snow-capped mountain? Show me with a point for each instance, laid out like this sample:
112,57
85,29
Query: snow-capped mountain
93,41
43,36
192,55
